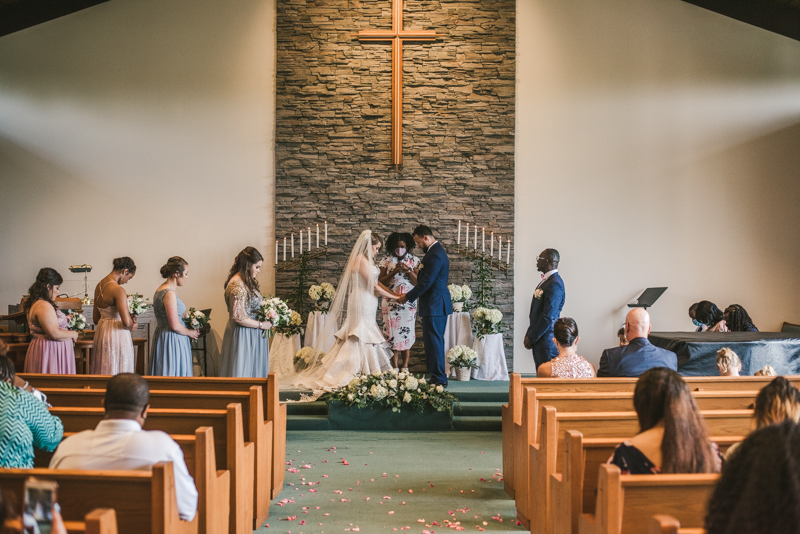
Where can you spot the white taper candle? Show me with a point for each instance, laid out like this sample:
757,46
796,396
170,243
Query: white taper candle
292,245
326,233
508,255
284,248
458,241
475,241
317,235
491,246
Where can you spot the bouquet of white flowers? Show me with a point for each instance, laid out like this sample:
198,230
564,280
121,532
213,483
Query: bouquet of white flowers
273,312
295,325
322,295
306,358
394,390
137,304
195,319
486,321
76,321
459,293
463,356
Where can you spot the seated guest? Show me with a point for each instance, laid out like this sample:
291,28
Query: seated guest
25,422
621,335
759,490
672,435
693,316
639,354
728,362
710,317
776,402
738,320
119,443
567,364
20,383
767,370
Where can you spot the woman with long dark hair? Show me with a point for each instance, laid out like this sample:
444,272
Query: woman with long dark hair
52,349
245,353
738,320
113,345
672,435
708,315
568,364
171,352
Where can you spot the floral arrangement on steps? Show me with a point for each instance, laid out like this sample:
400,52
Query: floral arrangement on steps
459,295
486,321
464,360
294,327
394,390
322,295
306,358
275,312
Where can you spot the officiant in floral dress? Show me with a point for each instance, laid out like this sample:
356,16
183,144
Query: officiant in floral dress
399,271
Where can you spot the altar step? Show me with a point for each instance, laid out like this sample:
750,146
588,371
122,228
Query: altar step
478,408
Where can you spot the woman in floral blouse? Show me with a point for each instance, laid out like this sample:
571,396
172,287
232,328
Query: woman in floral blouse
399,270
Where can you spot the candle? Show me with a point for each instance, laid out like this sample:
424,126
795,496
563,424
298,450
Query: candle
276,252
475,241
491,246
309,239
284,248
483,240
292,245
500,242
466,241
508,255
317,235
458,241
301,242
326,233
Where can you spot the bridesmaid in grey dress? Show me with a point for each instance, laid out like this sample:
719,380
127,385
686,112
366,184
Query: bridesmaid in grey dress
245,353
171,353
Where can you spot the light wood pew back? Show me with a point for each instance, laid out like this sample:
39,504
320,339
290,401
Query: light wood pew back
274,411
665,524
257,430
143,501
626,504
98,521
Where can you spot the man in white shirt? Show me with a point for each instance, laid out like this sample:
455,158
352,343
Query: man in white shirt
118,441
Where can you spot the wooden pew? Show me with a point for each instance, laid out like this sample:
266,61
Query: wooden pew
665,524
533,497
572,490
143,501
258,431
626,504
231,449
273,410
98,521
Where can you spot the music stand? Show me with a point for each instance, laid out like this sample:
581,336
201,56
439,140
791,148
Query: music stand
648,297
205,330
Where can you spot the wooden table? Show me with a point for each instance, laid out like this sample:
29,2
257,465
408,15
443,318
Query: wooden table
83,355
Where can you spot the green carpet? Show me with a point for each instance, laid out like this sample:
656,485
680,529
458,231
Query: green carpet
393,481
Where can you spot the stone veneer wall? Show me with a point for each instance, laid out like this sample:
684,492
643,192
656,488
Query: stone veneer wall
334,129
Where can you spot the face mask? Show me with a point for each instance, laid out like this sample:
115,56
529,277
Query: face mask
400,252
696,322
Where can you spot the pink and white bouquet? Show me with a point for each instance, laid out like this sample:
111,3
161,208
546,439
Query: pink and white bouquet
195,319
137,305
273,312
76,321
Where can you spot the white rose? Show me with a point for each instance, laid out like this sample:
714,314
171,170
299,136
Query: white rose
439,388
407,397
411,383
393,383
350,396
422,381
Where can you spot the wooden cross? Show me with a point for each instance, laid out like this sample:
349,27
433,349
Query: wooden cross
397,35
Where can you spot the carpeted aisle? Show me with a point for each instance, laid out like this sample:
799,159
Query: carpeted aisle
392,482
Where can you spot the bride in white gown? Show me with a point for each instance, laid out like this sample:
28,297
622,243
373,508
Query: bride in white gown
360,347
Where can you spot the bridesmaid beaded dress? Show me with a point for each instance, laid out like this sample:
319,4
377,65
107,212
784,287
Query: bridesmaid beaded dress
171,353
113,351
47,356
245,353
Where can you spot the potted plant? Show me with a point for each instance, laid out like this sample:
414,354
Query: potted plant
459,295
464,360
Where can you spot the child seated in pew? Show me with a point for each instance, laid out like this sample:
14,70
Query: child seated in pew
672,434
728,362
118,441
776,402
759,490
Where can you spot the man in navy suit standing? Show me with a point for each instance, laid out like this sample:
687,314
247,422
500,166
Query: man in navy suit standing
548,300
434,300
639,354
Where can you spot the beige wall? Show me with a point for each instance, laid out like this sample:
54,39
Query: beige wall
124,124
657,144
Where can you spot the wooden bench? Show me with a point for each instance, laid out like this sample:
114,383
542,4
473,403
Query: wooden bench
533,497
572,490
273,410
143,501
232,452
259,431
626,504
98,521
665,524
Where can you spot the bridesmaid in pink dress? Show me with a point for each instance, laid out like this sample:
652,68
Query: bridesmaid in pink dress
113,351
52,349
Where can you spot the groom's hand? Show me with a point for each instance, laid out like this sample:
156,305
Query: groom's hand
402,300
527,343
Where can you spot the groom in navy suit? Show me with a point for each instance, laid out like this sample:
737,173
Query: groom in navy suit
434,300
548,299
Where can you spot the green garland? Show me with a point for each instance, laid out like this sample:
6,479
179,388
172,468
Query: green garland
484,297
300,291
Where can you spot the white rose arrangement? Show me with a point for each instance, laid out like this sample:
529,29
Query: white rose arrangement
137,305
76,321
306,358
294,327
393,390
459,293
195,319
462,356
322,295
273,312
486,321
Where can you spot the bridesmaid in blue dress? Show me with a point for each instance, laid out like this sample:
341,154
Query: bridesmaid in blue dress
245,353
171,353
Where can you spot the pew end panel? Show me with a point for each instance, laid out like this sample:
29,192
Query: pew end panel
241,463
262,434
542,464
213,485
524,435
277,413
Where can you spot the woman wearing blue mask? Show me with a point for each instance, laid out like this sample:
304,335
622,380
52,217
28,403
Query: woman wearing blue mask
399,271
693,316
